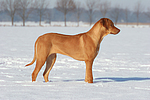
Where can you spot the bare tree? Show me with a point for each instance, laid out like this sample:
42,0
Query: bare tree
79,11
138,9
10,6
104,7
126,15
41,6
116,13
148,13
25,8
91,5
1,4
65,6
49,16
1,9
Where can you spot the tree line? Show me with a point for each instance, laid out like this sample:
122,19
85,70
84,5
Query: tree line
90,8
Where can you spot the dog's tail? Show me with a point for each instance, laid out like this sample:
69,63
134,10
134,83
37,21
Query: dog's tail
33,58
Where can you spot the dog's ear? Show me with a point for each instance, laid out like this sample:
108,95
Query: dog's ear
104,22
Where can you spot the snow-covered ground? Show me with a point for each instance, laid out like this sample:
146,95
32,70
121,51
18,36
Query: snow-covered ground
121,69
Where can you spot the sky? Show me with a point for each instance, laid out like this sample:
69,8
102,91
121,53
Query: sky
123,3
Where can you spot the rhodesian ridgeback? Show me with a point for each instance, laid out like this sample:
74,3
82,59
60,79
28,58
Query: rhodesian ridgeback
82,47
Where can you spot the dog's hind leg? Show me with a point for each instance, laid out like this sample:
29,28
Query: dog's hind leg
49,65
39,64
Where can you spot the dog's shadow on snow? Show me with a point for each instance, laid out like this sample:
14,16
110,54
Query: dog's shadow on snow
113,79
119,79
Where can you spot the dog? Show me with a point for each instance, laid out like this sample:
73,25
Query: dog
82,47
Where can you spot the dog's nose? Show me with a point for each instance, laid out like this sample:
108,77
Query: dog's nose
118,30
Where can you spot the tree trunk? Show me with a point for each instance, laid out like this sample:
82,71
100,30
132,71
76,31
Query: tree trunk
65,19
137,20
90,17
50,22
126,20
78,21
12,21
90,20
23,22
40,21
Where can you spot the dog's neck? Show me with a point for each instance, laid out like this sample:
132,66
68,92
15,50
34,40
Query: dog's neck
97,33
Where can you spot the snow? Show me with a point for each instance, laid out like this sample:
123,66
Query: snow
121,70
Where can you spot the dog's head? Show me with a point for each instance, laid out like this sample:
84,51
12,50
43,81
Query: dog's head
109,26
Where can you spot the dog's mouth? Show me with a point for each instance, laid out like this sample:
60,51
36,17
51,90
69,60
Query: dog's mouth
116,32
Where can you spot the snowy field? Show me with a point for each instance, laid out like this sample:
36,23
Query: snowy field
121,70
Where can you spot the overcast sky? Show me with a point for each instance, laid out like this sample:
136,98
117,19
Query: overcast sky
123,3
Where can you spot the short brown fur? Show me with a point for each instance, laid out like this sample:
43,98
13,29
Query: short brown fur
82,47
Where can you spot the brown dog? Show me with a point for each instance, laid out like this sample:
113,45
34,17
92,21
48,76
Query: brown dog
83,47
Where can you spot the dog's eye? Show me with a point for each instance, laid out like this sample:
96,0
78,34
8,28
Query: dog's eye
112,25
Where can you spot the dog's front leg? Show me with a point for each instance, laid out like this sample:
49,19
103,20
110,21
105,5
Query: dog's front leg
89,75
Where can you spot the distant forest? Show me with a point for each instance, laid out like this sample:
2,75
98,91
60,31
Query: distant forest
68,10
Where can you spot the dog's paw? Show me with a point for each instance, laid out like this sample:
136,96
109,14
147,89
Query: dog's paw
88,81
